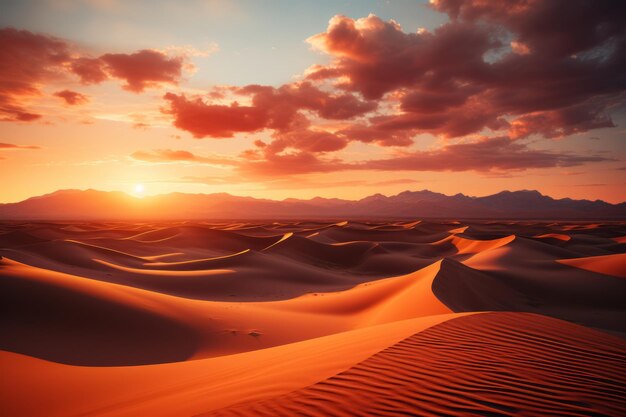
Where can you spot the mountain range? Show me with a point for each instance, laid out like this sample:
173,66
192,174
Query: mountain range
111,205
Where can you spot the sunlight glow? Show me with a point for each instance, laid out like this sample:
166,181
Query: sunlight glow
139,188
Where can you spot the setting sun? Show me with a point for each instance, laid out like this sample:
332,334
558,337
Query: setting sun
139,188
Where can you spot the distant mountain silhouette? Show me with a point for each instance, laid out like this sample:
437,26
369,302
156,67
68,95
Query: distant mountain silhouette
92,204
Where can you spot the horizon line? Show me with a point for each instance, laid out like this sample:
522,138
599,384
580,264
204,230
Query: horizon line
140,197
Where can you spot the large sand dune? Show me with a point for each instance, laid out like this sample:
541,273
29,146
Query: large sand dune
312,318
488,364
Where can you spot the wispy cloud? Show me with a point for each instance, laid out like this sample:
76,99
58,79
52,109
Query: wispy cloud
11,146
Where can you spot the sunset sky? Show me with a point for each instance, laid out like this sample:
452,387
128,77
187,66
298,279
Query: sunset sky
278,99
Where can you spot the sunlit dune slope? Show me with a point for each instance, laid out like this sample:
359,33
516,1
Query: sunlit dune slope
192,387
503,364
607,264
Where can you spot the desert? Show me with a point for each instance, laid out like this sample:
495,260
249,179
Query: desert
313,318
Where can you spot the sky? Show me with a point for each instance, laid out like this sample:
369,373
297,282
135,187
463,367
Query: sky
297,99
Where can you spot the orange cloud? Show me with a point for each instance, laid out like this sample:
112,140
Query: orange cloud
11,146
496,154
90,70
31,61
279,109
72,97
139,70
484,155
201,119
169,156
28,60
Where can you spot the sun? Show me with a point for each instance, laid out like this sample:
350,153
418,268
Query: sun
139,188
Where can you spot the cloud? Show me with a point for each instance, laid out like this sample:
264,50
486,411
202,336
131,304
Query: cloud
28,60
561,122
587,185
375,57
142,69
292,163
372,133
139,70
279,109
485,155
562,67
31,61
557,28
291,183
208,180
11,146
89,70
294,183
215,120
451,123
175,156
191,51
399,181
307,140
72,97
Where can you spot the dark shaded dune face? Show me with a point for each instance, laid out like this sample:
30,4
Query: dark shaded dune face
569,294
465,289
54,231
71,256
390,264
490,230
249,275
339,255
594,245
17,238
204,237
295,227
61,324
491,364
414,234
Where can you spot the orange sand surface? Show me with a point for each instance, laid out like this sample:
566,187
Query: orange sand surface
312,318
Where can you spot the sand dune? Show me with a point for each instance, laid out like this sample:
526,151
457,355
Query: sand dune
183,318
557,236
55,317
608,264
472,246
490,364
89,313
598,300
191,387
